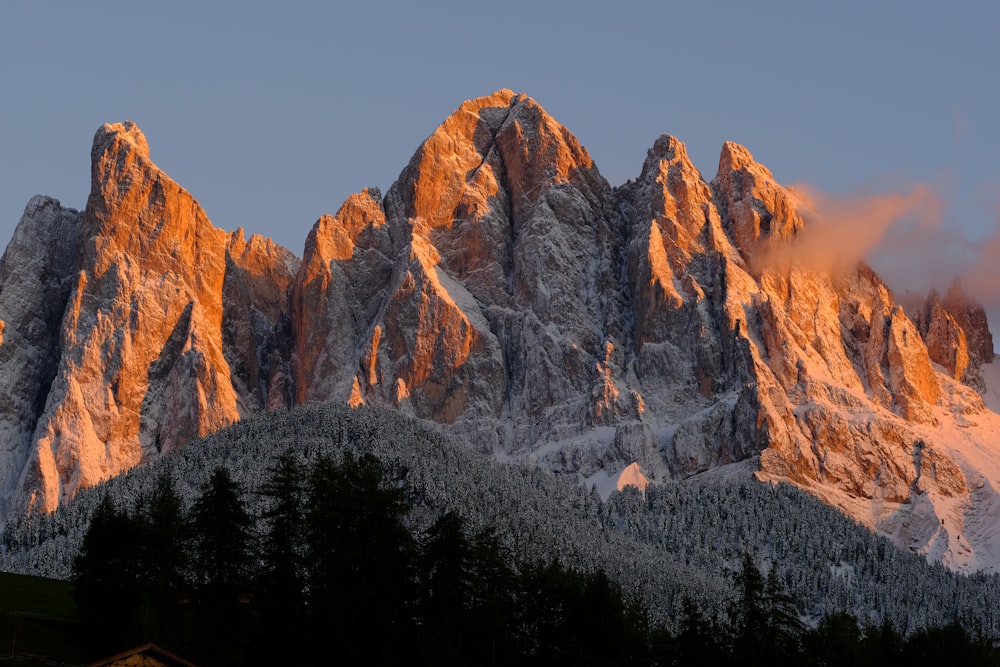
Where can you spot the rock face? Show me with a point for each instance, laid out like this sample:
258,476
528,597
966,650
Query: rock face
955,330
503,289
34,287
140,363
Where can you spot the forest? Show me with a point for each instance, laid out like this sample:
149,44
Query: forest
673,555
338,577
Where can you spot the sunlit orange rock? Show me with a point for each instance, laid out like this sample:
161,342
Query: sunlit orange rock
142,365
345,270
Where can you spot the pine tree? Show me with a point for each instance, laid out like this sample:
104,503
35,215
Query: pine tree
749,615
883,645
164,537
699,643
835,642
107,578
282,579
224,625
283,543
784,627
446,582
361,585
163,563
491,601
221,528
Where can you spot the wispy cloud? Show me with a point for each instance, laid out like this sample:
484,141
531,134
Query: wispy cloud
981,279
902,235
840,231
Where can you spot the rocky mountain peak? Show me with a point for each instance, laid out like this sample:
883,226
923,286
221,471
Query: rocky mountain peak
36,277
158,301
955,330
735,157
504,139
666,148
759,210
115,138
971,316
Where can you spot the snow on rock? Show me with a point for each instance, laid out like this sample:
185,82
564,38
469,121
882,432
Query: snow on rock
607,483
256,330
35,281
991,382
632,476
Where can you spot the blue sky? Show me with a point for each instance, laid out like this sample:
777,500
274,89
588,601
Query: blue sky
271,115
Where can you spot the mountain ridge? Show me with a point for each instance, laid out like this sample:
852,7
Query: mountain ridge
503,289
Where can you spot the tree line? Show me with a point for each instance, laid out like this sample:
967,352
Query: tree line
336,574
680,539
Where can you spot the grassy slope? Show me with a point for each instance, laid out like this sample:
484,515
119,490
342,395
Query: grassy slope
39,622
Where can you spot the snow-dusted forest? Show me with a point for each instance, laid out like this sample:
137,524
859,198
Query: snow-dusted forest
679,540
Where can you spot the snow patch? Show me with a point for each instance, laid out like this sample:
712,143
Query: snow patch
605,484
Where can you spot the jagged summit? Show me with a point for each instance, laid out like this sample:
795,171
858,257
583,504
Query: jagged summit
110,137
143,347
735,157
666,147
504,290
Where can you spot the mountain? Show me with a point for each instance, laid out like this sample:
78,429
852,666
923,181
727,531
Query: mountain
131,328
503,289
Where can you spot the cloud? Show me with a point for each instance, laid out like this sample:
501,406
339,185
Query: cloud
841,231
901,235
981,278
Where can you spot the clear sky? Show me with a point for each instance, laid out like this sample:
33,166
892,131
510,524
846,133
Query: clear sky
270,114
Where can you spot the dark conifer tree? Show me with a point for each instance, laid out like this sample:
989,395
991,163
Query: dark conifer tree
565,617
784,628
221,529
749,616
224,624
491,601
165,538
883,645
947,645
163,563
835,642
699,641
282,579
610,630
361,580
108,580
446,574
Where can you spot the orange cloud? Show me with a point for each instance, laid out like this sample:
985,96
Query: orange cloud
839,231
902,236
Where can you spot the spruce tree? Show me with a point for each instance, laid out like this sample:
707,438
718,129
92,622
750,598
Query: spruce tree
699,641
221,528
283,568
446,584
163,563
107,578
361,587
164,537
749,615
783,625
224,625
282,579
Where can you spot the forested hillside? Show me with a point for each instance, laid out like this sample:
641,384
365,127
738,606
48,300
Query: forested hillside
681,540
